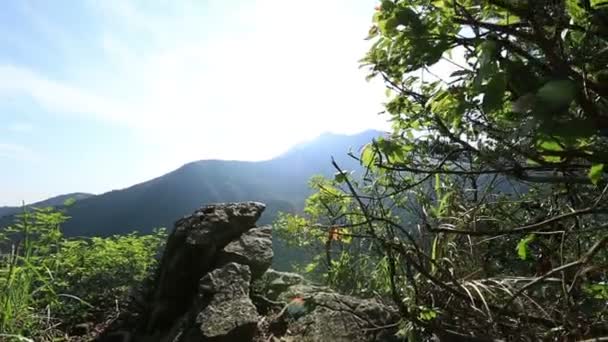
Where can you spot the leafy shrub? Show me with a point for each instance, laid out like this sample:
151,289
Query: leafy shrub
338,259
49,282
487,202
97,273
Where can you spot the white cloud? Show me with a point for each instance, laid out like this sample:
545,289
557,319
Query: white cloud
17,152
265,75
56,96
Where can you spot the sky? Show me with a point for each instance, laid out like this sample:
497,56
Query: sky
98,95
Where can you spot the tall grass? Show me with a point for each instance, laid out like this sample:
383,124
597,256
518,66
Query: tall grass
49,283
26,279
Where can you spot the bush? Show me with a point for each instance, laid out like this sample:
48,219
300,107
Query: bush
49,283
96,274
485,208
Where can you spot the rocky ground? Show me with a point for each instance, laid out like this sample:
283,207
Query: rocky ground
214,284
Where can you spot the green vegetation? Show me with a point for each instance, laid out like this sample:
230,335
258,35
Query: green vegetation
49,283
483,215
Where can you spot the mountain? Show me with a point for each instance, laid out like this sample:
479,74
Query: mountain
281,183
50,202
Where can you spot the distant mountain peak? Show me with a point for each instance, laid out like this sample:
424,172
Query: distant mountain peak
281,182
330,141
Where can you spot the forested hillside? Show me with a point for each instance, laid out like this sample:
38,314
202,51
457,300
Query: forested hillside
281,183
50,202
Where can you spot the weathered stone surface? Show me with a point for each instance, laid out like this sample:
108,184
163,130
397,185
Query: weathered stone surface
301,290
341,318
266,289
228,312
274,282
275,278
164,309
334,317
191,252
253,248
201,291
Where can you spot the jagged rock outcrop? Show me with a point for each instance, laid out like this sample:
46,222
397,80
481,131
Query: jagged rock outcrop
274,283
330,316
226,312
253,248
213,284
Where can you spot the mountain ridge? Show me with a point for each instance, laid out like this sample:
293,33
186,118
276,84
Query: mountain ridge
281,183
54,201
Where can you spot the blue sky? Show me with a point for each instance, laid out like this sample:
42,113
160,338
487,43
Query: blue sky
98,95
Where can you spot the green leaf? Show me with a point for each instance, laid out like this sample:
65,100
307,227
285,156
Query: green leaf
368,155
311,267
340,177
532,162
550,145
598,291
427,314
387,5
393,151
434,253
595,173
494,93
388,26
522,246
557,94
487,59
409,18
377,16
373,32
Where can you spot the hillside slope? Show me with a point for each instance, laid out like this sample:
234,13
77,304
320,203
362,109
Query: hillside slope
281,183
50,202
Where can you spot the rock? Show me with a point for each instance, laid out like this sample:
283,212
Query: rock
331,316
276,278
269,286
302,290
164,308
253,248
201,291
335,317
227,312
191,251
276,283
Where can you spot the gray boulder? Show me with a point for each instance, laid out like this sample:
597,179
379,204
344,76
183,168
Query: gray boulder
253,248
202,291
275,283
335,317
191,252
225,311
329,316
274,278
168,304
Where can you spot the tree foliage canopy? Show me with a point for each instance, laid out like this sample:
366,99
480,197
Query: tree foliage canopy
483,214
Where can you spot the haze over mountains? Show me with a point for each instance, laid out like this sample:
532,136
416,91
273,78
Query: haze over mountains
49,202
281,183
